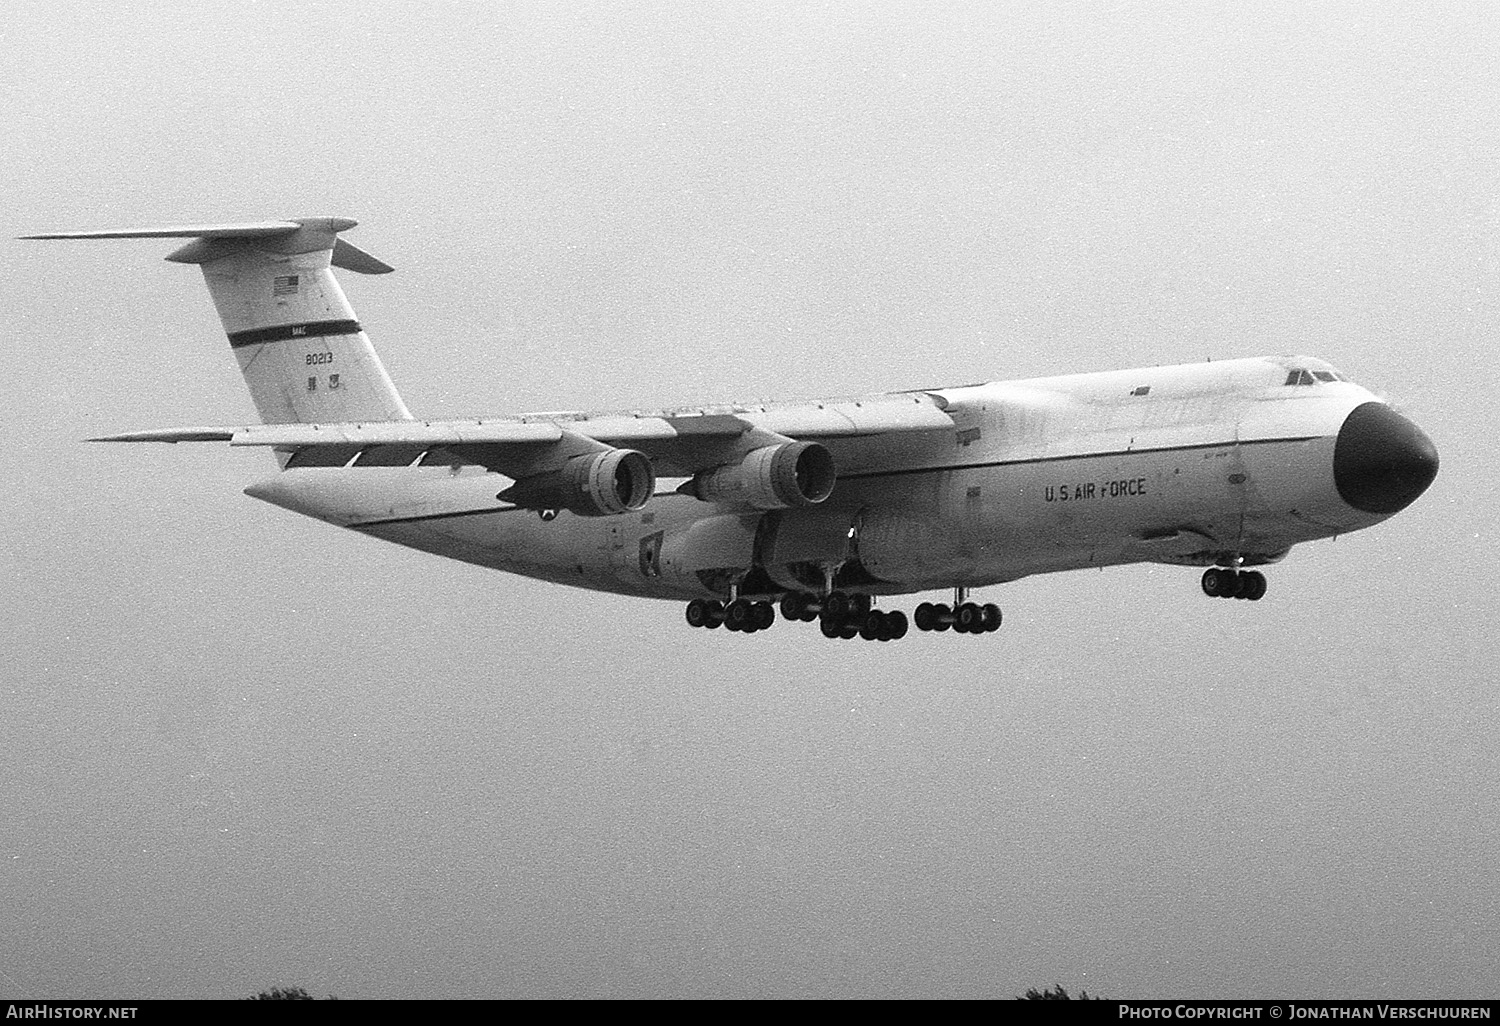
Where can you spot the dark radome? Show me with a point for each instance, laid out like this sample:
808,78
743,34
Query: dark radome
1382,461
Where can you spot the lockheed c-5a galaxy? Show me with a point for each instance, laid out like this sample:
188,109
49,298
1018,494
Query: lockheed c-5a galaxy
826,508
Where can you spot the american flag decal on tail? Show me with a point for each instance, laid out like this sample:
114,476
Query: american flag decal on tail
284,285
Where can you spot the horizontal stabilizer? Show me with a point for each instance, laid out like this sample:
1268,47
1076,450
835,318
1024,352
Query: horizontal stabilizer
252,230
305,234
352,258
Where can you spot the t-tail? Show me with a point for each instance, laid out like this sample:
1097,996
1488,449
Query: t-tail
303,353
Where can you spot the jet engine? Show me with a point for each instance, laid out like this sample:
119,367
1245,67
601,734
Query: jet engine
595,485
773,477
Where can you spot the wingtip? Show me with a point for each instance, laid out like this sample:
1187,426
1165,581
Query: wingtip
171,435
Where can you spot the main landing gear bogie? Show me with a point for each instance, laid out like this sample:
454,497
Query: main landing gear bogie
740,615
1225,582
962,618
871,625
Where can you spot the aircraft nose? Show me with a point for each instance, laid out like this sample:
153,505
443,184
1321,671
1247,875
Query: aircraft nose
1382,461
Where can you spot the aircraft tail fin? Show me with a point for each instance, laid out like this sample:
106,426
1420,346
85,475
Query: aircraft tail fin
304,355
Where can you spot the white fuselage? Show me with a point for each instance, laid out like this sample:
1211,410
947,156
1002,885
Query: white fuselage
1196,464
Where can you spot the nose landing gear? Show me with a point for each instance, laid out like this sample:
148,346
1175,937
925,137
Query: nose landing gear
1222,582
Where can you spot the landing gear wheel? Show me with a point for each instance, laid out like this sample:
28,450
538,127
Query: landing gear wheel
968,619
941,620
1218,582
715,614
1257,589
698,614
791,606
870,628
765,615
923,617
829,626
740,616
837,604
896,625
992,617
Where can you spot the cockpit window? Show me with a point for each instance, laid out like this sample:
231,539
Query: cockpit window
1323,375
1299,377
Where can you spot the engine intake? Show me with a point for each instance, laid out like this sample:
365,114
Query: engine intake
603,484
774,477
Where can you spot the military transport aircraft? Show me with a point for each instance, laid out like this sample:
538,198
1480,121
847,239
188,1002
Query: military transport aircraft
825,507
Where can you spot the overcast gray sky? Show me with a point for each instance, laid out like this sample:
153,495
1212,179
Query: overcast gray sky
239,748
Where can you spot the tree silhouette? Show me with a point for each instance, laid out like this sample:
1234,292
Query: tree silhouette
1057,993
287,994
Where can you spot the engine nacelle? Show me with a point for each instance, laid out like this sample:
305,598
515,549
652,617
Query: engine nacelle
774,477
597,485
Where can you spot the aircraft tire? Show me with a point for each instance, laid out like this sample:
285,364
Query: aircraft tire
968,619
940,621
870,628
837,604
992,618
1218,582
829,626
791,606
1229,584
923,616
765,615
698,614
1257,589
739,615
896,624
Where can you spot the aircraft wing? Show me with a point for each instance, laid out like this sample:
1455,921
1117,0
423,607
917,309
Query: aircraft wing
679,442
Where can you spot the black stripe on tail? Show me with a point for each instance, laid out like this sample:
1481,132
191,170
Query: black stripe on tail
285,332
